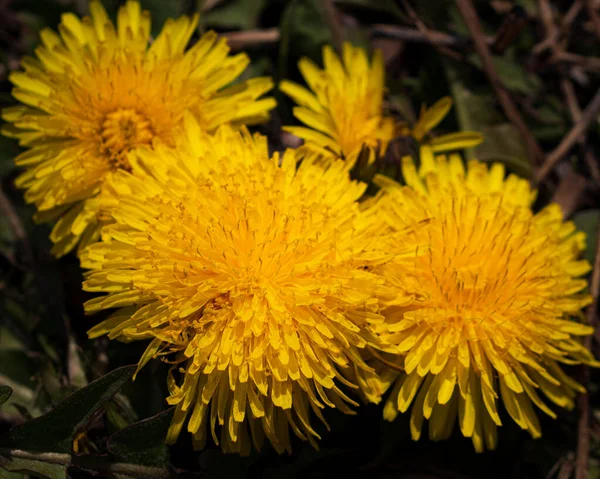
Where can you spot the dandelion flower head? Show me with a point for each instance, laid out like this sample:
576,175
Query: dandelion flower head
96,91
252,275
343,110
497,290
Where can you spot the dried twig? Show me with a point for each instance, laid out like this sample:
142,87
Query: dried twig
553,34
513,24
427,32
575,113
381,359
251,38
583,426
13,218
333,20
570,193
437,38
587,63
472,20
408,34
589,114
209,4
594,16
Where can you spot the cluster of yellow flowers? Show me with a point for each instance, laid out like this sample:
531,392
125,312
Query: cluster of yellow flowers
270,282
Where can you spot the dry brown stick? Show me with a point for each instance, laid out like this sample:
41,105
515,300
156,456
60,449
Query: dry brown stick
416,36
435,37
587,63
381,359
210,4
472,20
572,103
424,29
583,425
570,193
547,18
594,16
251,38
14,220
552,39
575,113
589,114
333,20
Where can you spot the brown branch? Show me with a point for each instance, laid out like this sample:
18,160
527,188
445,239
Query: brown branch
594,16
512,25
575,113
436,38
547,18
553,35
472,21
583,425
95,463
587,63
408,34
209,4
335,26
588,115
14,220
381,359
251,38
424,29
570,193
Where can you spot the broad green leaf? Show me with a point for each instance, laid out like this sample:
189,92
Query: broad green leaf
385,9
44,469
143,442
502,141
160,11
512,74
16,370
54,431
5,392
304,31
234,14
587,221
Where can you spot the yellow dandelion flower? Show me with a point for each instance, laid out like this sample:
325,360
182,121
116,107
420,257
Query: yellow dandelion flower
343,112
496,288
431,145
96,91
252,275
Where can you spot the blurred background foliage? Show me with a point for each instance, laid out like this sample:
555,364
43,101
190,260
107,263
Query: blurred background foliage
550,65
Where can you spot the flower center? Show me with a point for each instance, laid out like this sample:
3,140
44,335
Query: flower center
123,130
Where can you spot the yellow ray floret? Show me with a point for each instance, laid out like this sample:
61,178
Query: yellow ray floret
96,91
342,110
429,145
252,275
496,288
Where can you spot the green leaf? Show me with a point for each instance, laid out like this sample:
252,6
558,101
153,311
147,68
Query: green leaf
473,110
143,442
502,141
25,465
587,221
5,392
512,74
238,14
16,370
304,31
160,11
54,431
387,8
